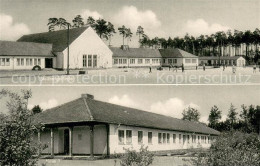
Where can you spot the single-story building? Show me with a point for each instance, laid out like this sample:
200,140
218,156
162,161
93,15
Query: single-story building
25,55
86,126
214,60
135,57
177,57
141,57
86,49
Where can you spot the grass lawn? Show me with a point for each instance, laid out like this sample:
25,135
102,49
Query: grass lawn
133,76
158,161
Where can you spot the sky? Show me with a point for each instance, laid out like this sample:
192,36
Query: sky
166,100
162,18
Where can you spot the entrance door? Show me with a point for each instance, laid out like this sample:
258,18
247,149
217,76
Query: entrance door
66,141
48,62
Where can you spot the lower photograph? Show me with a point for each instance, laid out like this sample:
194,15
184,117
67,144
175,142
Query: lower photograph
130,125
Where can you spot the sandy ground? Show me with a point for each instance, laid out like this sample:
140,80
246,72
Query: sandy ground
158,161
132,76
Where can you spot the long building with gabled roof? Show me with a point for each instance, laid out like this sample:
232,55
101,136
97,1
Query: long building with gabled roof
86,126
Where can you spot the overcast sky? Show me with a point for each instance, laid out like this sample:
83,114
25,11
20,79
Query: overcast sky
167,100
161,18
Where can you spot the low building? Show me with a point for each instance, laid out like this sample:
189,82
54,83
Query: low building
230,61
135,57
141,57
178,57
86,49
86,126
24,55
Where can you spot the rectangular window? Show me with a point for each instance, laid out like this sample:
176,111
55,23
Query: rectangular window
194,60
35,62
132,61
159,138
124,61
120,61
164,137
179,138
31,62
2,63
89,60
84,61
115,61
128,136
147,61
140,137
188,138
198,139
150,137
94,60
168,138
27,62
39,62
170,61
18,61
140,61
174,138
153,61
175,60
187,61
22,62
208,140
164,60
121,136
7,62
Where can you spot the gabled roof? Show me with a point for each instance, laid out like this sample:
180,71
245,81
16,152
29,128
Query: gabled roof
175,53
11,48
217,58
57,38
135,53
87,110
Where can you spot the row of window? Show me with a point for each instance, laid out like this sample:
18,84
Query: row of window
28,61
4,61
190,60
139,61
162,138
89,60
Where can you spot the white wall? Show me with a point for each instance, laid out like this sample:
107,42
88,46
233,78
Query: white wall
14,66
81,140
88,43
116,147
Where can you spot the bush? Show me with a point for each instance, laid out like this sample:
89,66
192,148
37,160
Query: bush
232,148
16,132
134,158
37,67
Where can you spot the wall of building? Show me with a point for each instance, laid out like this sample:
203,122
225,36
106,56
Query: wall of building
127,62
239,62
88,43
117,147
13,62
81,140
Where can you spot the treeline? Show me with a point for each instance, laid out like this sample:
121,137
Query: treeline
248,120
204,45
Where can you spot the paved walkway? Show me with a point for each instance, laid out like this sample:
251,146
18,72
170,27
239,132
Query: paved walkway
158,161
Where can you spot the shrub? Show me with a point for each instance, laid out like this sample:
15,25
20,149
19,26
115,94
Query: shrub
232,148
134,158
16,132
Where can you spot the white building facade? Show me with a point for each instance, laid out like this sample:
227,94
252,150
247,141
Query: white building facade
98,128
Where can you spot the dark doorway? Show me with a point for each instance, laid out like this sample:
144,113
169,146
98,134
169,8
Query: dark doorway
66,141
48,62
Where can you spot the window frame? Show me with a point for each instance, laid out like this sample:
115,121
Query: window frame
121,140
140,140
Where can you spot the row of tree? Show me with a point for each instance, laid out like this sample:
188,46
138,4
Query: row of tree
248,120
204,45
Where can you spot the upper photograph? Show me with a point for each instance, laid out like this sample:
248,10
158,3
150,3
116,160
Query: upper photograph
173,42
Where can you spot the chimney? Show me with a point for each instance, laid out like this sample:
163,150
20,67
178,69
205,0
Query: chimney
125,47
87,96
